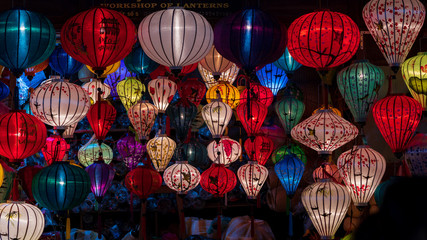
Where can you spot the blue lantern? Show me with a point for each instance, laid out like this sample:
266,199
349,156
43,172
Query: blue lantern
272,77
139,63
4,90
63,63
289,171
287,63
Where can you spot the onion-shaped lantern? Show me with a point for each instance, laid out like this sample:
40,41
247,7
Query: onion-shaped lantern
19,220
31,71
228,76
327,171
101,178
252,176
416,155
229,94
359,84
323,39
217,115
130,91
107,71
142,116
181,114
287,63
55,149
218,180
259,149
324,132
162,91
161,149
362,169
196,154
258,93
192,90
127,146
253,117
224,152
101,117
414,73
290,111
4,91
289,171
63,63
26,175
284,150
90,153
181,177
143,181
69,131
94,86
215,63
139,63
272,77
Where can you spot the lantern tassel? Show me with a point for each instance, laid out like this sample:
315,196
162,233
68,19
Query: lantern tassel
68,226
143,223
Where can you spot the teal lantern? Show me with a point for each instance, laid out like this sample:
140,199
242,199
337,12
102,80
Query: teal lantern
26,39
359,84
289,110
196,154
287,63
382,189
139,63
284,150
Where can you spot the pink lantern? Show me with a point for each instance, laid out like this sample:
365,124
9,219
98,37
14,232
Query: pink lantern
224,152
252,176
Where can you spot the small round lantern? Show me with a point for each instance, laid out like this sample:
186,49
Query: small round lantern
55,149
181,177
92,88
161,149
101,117
290,111
101,178
272,77
228,76
215,63
229,94
63,63
327,171
259,149
218,180
224,152
130,91
20,220
414,76
252,176
90,153
142,116
161,91
287,63
252,117
217,115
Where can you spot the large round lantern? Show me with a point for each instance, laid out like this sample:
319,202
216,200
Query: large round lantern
139,63
324,132
143,181
142,116
287,63
31,71
181,114
59,103
323,39
252,117
130,91
327,171
61,186
394,25
55,149
175,37
128,147
94,86
215,63
196,154
218,180
289,171
21,135
181,177
224,152
101,178
161,91
229,94
20,220
90,153
362,169
26,175
101,117
228,76
217,115
28,38
359,84
284,150
192,90
63,63
259,149
416,155
272,77
161,149
397,117
326,203
258,93
415,77
290,111
98,37
252,176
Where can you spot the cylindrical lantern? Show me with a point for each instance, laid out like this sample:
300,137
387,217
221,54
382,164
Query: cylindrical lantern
290,111
224,152
258,93
327,171
128,147
161,91
63,63
215,63
196,154
130,91
228,76
416,155
143,181
20,220
181,177
92,88
192,90
252,176
289,171
90,153
253,117
161,149
101,178
414,76
217,115
284,150
218,180
272,77
26,175
55,149
101,117
229,94
31,71
259,149
287,63
181,114
142,116
139,63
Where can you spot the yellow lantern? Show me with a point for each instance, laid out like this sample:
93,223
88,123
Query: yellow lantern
130,91
1,174
414,71
335,110
110,69
228,76
229,94
161,149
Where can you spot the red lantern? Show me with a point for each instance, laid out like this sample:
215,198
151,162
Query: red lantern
323,39
26,174
218,180
193,90
55,149
21,135
253,117
327,171
101,116
259,149
397,117
259,93
143,181
98,37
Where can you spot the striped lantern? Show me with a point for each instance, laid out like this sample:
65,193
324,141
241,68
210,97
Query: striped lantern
161,149
229,94
289,171
101,178
90,153
101,117
217,115
287,63
215,63
224,152
228,76
252,176
327,171
218,180
272,77
290,111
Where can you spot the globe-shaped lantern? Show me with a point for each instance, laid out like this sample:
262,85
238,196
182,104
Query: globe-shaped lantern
101,178
217,115
63,63
26,175
250,38
98,37
224,152
218,180
128,147
289,171
272,77
31,71
55,149
284,150
416,155
324,132
4,91
252,176
415,77
107,71
323,39
193,90
287,63
142,116
90,153
394,25
397,117
326,204
21,135
59,103
258,93
259,149
175,37
101,117
139,63
290,111
181,177
130,91
94,86
252,117
327,171
20,220
61,186
181,114
228,76
161,91
215,63
28,38
359,84
196,154
362,169
229,94
143,181
161,149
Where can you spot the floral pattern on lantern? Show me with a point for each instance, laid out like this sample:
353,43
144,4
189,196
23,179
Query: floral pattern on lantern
142,116
287,63
224,152
130,91
258,93
272,77
19,220
92,87
55,149
252,176
161,149
217,115
218,180
162,91
415,77
181,177
259,149
228,76
192,90
229,94
289,171
215,63
253,117
327,171
90,153
290,111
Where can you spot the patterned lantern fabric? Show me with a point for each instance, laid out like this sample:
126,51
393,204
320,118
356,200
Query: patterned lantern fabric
259,149
218,180
139,63
143,181
130,91
287,63
228,76
224,152
215,63
63,63
26,175
92,87
161,149
324,132
89,154
253,117
101,117
55,149
193,90
327,171
101,178
252,176
272,77
181,114
142,116
229,94
416,154
415,75
217,115
161,91
290,111
289,171
284,150
181,177
127,147
258,93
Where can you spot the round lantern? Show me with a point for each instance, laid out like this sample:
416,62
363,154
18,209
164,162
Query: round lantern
161,91
55,149
143,181
192,90
290,111
289,171
196,154
224,152
61,186
98,37
272,77
258,93
324,132
415,77
327,171
69,131
397,118
21,135
218,180
175,37
259,149
20,220
31,71
229,94
323,39
394,25
26,175
128,147
327,204
181,177
4,91
139,63
181,114
252,176
228,76
101,178
90,153
250,38
215,63
142,116
287,63
284,150
28,38
359,84
362,169
416,155
92,88
63,63
161,149
101,117
217,115
252,117
130,91
59,103
107,71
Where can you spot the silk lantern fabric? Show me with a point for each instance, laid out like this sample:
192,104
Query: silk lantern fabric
259,149
224,152
130,91
218,180
139,63
101,116
414,72
162,91
55,149
181,177
31,71
289,171
196,154
287,63
228,93
143,181
252,117
107,71
284,150
142,116
127,146
290,111
90,153
327,171
272,77
259,93
217,115
101,178
63,63
161,149
4,91
215,63
252,176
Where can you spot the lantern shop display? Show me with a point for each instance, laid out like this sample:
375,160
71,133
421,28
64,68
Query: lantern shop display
90,153
161,149
272,77
252,176
101,117
218,180
215,63
63,63
162,91
95,87
55,149
217,115
225,151
252,116
259,149
415,77
142,116
228,93
181,177
130,91
228,76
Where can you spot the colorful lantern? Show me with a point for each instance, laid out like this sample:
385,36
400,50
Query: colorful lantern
252,176
415,77
92,88
290,111
98,37
394,25
253,117
4,91
215,63
397,117
272,77
287,63
101,117
228,76
196,154
143,181
132,162
289,171
359,84
362,169
284,150
229,94
31,71
90,153
181,177
162,91
324,132
130,91
63,63
218,180
21,135
101,178
118,75
327,171
19,220
323,39
128,147
55,149
181,114
259,149
217,115
416,155
26,175
142,116
161,149
224,152
258,93
192,90
69,131
139,63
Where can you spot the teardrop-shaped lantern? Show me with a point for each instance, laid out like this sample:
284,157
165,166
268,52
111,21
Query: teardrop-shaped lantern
130,91
89,154
253,117
258,93
63,63
143,181
92,88
224,152
31,71
55,149
416,154
287,63
196,154
272,77
193,90
252,176
181,114
142,116
215,63
101,117
101,178
139,63
162,91
289,171
259,149
290,111
414,72
327,171
161,149
229,94
128,147
217,115
284,150
218,180
181,177
228,76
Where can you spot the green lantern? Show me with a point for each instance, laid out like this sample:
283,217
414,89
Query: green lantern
284,150
289,110
414,73
89,154
359,84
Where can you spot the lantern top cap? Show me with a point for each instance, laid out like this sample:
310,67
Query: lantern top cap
325,180
361,61
361,146
176,7
181,162
162,135
15,202
325,111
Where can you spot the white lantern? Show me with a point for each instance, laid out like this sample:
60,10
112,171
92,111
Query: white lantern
362,169
142,116
181,177
162,91
175,37
327,171
161,149
215,63
89,153
252,176
326,204
224,152
217,115
69,131
228,76
20,220
59,103
92,89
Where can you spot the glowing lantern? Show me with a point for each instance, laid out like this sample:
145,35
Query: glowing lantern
69,131
258,93
362,169
143,181
217,115
272,77
253,117
139,63
287,63
259,149
101,117
101,178
181,114
63,63
128,147
327,171
181,177
90,153
290,111
196,154
291,148
142,116
414,72
218,180
252,176
229,94
224,152
192,90
215,63
31,71
92,88
55,149
416,154
228,76
19,220
161,91
130,91
161,149
289,171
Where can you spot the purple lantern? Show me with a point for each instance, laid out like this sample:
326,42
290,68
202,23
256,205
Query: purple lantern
101,177
115,77
129,147
132,162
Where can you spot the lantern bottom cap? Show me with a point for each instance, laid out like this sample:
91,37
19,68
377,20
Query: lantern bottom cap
327,237
361,204
324,152
252,197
